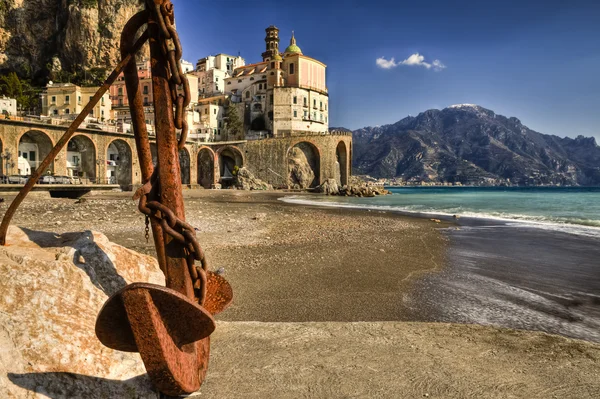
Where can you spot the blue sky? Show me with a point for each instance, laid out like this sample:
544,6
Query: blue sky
536,60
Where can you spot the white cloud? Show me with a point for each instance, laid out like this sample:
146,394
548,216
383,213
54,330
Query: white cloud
414,60
385,64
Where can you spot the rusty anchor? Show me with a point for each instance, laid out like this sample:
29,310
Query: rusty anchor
169,326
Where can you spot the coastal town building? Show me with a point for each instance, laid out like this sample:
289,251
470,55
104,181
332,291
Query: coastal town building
67,100
212,72
284,94
8,106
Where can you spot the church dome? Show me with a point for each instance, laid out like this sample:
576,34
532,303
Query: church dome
277,57
293,48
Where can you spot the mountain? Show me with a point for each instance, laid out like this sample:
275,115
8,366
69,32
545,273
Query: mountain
41,37
472,145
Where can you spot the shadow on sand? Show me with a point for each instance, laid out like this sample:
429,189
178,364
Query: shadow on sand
58,385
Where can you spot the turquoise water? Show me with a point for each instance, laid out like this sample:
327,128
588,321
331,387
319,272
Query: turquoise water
573,210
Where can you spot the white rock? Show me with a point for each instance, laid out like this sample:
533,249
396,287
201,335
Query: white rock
48,310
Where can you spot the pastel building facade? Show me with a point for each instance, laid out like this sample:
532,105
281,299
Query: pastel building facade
285,94
67,100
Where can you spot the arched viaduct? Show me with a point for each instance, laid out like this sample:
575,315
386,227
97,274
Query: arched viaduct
100,154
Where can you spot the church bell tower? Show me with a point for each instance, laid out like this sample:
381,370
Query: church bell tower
272,41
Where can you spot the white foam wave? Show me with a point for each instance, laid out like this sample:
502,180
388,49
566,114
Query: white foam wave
590,228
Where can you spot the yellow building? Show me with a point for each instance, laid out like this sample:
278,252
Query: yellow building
67,100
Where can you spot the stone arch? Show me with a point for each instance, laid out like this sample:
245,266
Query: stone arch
184,166
229,157
304,165
154,153
184,162
81,157
34,143
341,155
119,163
206,167
258,123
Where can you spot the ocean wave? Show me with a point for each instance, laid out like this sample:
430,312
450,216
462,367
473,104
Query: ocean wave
578,226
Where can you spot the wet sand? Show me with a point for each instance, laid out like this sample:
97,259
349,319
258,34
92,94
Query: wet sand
516,277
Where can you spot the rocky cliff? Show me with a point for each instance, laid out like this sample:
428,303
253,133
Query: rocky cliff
473,145
39,36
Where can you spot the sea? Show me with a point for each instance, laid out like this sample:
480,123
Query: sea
518,257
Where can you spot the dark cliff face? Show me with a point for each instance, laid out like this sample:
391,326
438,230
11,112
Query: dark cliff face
38,36
473,145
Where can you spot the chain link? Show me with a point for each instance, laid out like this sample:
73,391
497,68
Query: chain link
147,230
178,81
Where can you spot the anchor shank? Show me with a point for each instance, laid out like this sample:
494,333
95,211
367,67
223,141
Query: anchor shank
177,275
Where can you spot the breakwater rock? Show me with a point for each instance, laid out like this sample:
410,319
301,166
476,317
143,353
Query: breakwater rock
52,288
356,188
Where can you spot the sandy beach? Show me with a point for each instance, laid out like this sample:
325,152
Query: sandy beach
321,303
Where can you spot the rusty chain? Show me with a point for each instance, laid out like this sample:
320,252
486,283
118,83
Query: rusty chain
171,48
149,205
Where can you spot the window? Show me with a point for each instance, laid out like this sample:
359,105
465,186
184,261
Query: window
271,99
295,114
215,111
291,69
295,100
55,112
120,102
260,86
145,100
214,131
239,80
25,155
325,106
229,82
206,111
247,94
145,89
53,99
120,92
79,99
325,119
321,104
67,98
315,103
252,78
32,156
67,111
216,79
305,114
272,64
